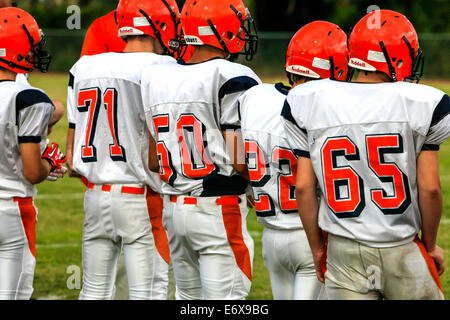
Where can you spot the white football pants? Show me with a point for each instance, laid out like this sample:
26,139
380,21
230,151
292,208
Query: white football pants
288,258
17,248
211,249
356,271
116,218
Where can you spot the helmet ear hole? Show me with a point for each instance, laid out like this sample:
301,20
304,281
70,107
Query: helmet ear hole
230,35
399,63
163,26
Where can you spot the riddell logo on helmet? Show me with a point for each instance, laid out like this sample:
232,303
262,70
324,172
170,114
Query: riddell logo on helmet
360,64
193,40
128,31
303,71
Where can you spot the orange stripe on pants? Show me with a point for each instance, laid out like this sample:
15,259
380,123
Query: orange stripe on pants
28,215
233,225
430,263
155,212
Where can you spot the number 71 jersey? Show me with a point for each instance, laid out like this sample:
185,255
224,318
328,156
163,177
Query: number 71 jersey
104,107
363,141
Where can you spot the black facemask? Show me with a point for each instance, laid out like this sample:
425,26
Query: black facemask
40,58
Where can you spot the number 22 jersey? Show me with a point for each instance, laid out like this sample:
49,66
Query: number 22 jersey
272,165
363,141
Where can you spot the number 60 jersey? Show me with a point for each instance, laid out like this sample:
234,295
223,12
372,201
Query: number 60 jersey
187,107
363,141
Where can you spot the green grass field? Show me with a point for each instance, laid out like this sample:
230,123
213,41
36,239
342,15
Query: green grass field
60,221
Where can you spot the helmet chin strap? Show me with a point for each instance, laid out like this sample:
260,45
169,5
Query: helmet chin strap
417,62
250,49
15,65
219,38
388,61
156,32
173,43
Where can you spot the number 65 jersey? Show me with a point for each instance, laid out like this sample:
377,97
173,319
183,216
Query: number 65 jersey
363,141
104,107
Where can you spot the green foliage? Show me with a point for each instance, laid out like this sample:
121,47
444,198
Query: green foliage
55,17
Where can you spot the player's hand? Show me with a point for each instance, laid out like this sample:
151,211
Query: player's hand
438,256
72,172
58,173
318,256
54,156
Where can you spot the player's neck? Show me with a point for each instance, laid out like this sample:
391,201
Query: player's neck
6,74
143,44
372,77
205,53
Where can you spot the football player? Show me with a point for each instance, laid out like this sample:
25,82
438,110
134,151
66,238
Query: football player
317,51
372,147
192,109
109,146
23,77
101,36
26,158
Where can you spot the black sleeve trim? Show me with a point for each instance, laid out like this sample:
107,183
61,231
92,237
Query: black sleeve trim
302,153
71,125
237,84
71,80
30,97
441,110
30,139
287,114
430,147
229,127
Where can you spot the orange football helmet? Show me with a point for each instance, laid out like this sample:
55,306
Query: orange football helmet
157,18
386,41
224,24
318,50
21,42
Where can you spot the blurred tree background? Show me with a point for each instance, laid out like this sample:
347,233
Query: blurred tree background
280,15
277,21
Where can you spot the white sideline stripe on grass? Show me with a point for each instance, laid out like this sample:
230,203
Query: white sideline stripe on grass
59,196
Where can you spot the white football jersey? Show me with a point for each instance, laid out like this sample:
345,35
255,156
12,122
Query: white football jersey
24,115
22,78
363,141
188,106
104,107
272,164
